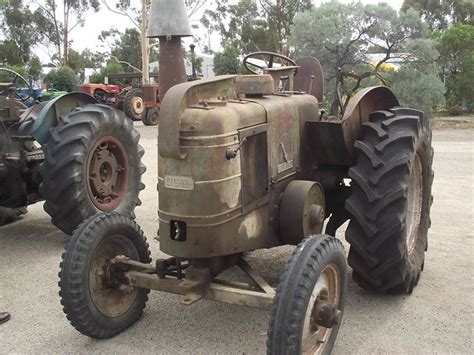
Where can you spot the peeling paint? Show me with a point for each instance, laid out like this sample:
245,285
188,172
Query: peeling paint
251,226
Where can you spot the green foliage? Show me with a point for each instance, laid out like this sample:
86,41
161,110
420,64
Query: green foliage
20,33
56,30
227,62
111,67
345,36
251,25
439,14
34,67
63,79
126,47
419,89
456,47
8,77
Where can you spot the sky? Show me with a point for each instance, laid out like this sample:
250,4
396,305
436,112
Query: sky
87,36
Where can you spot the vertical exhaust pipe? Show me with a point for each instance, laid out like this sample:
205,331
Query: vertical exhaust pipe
168,22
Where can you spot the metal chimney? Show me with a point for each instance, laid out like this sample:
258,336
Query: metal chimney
168,22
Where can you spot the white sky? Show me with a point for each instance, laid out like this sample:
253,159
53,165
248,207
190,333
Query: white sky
87,36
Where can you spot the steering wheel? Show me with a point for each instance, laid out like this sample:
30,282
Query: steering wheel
271,60
15,76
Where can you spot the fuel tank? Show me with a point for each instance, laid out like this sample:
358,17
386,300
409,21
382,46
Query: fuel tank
226,153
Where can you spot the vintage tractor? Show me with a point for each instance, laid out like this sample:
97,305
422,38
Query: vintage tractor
80,157
244,165
130,99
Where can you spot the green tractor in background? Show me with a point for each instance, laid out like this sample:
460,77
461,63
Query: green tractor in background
78,156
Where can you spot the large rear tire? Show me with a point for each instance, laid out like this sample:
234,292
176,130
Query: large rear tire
309,302
94,304
390,201
133,105
92,164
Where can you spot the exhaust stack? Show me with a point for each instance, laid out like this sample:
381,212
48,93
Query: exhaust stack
168,22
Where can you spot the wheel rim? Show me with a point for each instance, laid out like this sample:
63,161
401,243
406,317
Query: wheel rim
107,173
153,117
414,204
111,298
326,291
137,105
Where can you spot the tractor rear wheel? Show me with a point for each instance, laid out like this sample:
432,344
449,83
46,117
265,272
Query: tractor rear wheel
92,164
390,201
133,104
94,302
309,302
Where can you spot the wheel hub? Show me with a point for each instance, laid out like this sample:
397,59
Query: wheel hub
322,312
414,204
107,173
137,105
110,297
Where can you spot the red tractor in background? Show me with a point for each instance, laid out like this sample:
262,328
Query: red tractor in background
129,99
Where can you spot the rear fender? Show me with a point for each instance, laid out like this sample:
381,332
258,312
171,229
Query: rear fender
334,140
48,116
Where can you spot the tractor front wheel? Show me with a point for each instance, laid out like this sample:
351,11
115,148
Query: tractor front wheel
390,201
152,117
94,302
92,164
309,303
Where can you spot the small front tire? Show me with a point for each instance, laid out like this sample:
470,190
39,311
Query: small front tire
309,302
94,304
151,117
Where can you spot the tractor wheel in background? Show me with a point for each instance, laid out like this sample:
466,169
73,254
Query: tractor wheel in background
94,303
133,104
309,303
151,117
92,164
390,201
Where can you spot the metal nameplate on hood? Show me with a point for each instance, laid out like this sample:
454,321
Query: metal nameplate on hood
179,182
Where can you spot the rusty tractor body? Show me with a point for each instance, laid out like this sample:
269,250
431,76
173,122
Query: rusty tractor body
137,102
78,156
107,94
248,162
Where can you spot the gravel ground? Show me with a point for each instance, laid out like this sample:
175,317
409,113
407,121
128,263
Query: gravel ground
436,318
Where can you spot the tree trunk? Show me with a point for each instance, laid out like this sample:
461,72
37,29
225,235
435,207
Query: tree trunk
145,44
66,29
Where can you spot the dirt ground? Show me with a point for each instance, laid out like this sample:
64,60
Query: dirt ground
436,318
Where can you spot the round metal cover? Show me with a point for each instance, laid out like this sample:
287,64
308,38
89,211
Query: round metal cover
302,211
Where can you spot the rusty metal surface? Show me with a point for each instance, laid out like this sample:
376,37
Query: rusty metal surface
302,211
149,93
333,141
172,69
230,202
216,292
254,85
177,100
107,173
310,77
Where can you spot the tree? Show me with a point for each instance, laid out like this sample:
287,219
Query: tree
456,46
438,14
62,78
227,62
251,25
35,67
19,31
58,29
112,67
343,36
